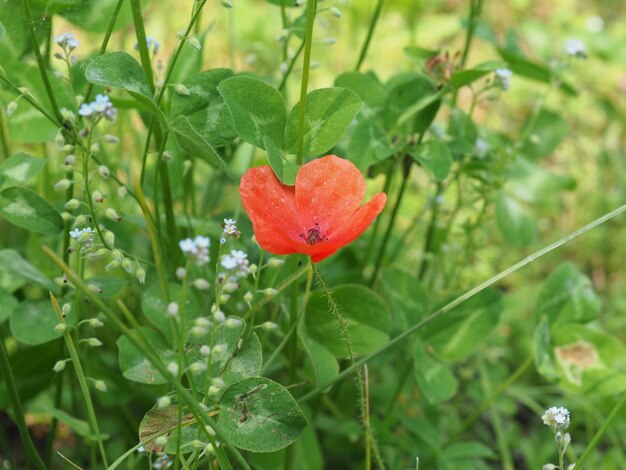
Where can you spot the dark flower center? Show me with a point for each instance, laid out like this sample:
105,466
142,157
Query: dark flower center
313,235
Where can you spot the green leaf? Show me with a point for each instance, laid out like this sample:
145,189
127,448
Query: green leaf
542,349
435,156
11,262
366,85
26,209
325,365
366,313
154,308
194,144
9,304
590,361
520,65
329,112
415,101
95,17
461,331
547,132
164,422
260,415
257,108
567,296
518,228
245,362
121,70
135,365
205,108
284,170
19,168
406,296
33,322
468,450
436,380
369,144
465,77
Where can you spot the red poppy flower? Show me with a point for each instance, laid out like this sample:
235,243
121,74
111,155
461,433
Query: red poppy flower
317,216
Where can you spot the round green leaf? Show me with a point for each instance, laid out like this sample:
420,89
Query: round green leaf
26,209
329,112
8,303
33,322
136,366
260,415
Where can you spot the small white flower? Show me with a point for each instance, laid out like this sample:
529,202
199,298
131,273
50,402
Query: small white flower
172,309
66,41
503,78
575,48
236,262
172,368
557,418
197,248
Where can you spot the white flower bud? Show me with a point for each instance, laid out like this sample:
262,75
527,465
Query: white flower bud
198,331
181,273
197,444
269,292
122,192
100,385
110,213
80,220
59,366
127,266
201,284
95,148
275,262
224,298
62,185
72,204
164,402
202,322
218,349
117,255
208,449
248,296
161,441
172,309
93,342
336,12
226,3
95,288
97,196
11,107
95,323
109,237
213,390
182,90
219,316
66,309
197,367
70,159
61,328
233,322
194,42
230,287
59,140
141,275
111,139
104,171
205,350
268,326
172,368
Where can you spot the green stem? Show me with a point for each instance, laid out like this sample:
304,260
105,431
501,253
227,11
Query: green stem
140,32
430,234
283,81
598,435
4,139
370,33
505,452
105,41
377,222
394,213
370,443
82,380
306,64
469,294
18,411
475,8
40,61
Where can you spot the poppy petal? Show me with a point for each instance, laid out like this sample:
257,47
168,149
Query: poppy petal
328,191
272,209
359,221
